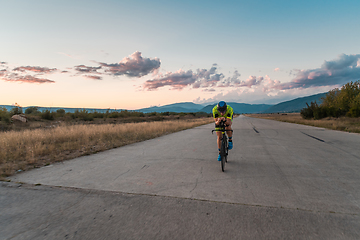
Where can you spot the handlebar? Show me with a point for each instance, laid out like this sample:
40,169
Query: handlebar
222,126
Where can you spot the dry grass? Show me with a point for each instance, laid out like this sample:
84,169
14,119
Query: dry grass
343,123
22,150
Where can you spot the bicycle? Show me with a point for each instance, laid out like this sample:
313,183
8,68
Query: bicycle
224,148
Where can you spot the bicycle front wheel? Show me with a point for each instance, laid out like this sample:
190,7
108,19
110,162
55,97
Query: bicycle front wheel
226,150
223,154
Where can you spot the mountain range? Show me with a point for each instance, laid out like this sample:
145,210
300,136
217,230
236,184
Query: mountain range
294,105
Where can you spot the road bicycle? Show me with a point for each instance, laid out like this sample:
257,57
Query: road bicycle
224,147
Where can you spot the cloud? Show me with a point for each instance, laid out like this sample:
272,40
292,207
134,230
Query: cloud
42,70
133,66
230,81
93,77
235,82
26,79
344,69
177,80
21,74
209,90
86,69
276,69
202,78
251,81
3,72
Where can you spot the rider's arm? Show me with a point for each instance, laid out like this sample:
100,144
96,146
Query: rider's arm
230,113
217,117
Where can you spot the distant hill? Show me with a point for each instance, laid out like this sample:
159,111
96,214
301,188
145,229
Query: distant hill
241,107
295,105
175,107
289,106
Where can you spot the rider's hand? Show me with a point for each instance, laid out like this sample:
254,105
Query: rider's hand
220,119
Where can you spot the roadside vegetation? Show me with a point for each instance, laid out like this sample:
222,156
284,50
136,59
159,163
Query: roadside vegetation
347,124
339,110
337,103
46,118
50,137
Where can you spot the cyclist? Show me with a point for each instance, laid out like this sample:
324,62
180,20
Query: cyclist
223,112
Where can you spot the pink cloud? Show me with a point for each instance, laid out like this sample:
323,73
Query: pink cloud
251,81
35,69
93,77
2,72
86,69
336,72
202,78
177,80
133,66
26,79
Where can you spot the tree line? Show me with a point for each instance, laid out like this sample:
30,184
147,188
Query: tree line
336,103
82,114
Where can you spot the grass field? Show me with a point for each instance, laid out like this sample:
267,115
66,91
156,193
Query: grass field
31,148
346,124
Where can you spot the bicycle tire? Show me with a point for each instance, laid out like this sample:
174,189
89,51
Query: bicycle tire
226,149
223,154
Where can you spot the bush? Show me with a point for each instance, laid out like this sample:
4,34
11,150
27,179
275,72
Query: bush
16,110
151,114
307,113
165,113
32,110
336,103
60,112
4,115
83,115
47,115
313,111
114,115
97,114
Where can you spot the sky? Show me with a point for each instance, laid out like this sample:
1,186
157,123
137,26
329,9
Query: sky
137,54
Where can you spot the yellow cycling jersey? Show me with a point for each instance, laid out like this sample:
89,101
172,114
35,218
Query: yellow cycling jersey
228,114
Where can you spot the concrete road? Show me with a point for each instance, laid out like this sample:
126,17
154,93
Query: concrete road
282,181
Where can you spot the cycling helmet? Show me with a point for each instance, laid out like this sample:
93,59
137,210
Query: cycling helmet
222,106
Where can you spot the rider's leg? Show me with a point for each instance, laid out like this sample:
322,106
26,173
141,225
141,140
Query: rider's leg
229,123
218,139
229,133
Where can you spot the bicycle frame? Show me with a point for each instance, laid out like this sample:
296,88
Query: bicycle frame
224,144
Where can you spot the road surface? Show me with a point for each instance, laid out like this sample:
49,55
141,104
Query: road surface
282,181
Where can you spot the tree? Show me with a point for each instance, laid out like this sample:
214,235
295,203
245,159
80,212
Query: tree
355,107
32,110
336,103
17,109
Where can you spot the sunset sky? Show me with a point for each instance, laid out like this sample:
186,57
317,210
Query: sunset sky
136,54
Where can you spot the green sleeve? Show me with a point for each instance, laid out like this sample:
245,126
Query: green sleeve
215,112
230,113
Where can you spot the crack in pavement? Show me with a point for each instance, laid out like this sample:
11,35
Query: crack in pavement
93,191
312,137
197,180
